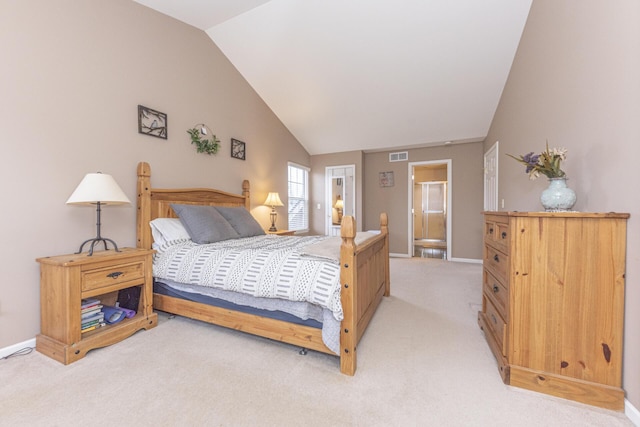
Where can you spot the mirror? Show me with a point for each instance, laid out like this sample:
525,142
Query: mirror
337,200
340,196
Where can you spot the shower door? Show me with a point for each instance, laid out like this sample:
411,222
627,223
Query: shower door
434,211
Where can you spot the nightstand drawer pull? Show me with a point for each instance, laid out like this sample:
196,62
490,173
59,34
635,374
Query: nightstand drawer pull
115,274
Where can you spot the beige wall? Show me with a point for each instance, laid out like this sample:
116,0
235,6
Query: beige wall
317,217
575,82
72,75
466,184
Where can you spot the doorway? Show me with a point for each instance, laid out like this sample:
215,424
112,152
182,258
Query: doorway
430,210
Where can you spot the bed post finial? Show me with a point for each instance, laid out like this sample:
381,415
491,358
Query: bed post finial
143,232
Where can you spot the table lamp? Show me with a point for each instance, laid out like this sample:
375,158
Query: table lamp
98,189
273,200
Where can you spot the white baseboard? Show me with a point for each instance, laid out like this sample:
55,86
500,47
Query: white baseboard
392,255
4,352
469,260
632,413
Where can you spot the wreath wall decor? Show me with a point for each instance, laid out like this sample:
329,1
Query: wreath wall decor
204,140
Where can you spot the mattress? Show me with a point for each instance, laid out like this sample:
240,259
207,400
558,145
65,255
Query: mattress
297,312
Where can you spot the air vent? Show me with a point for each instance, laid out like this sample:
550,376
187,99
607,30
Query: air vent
401,156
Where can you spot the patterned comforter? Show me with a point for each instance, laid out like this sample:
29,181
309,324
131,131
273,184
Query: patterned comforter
262,266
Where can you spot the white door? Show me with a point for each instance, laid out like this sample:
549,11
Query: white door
491,178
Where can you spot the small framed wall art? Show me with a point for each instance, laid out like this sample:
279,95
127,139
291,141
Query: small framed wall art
238,149
386,179
152,122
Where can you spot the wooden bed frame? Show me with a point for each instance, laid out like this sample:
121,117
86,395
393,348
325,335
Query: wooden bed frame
364,274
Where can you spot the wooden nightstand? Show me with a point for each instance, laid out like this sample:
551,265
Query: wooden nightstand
66,279
282,232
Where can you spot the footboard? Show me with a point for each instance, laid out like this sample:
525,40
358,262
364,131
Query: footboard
364,278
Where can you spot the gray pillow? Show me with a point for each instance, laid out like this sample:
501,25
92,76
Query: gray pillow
204,223
241,220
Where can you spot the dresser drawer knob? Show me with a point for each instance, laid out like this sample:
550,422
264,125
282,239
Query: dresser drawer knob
493,318
491,231
496,258
496,289
115,274
504,234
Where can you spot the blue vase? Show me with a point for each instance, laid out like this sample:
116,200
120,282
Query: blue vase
558,197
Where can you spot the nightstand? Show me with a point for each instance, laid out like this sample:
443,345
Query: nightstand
67,279
282,232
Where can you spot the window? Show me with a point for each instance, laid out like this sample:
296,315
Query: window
298,198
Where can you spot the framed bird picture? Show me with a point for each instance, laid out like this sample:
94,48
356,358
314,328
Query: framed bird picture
152,122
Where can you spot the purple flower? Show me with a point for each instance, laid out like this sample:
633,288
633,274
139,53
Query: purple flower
531,160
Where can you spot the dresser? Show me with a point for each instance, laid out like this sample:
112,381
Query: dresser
553,302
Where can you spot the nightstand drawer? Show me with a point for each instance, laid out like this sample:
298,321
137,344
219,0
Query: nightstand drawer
98,278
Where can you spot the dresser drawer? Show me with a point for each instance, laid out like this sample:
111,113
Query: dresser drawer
496,290
497,234
101,277
496,262
496,324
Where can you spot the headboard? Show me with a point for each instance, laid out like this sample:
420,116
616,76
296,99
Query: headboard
155,202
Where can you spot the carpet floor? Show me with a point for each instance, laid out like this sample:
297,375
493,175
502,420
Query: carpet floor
422,362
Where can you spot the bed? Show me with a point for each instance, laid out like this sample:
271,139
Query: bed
363,274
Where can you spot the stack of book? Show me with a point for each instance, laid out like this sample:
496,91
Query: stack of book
91,315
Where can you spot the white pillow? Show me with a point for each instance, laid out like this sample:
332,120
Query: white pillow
165,230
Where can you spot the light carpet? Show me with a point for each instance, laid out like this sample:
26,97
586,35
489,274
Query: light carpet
422,362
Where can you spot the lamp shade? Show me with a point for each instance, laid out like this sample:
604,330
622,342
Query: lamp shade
339,204
98,187
273,199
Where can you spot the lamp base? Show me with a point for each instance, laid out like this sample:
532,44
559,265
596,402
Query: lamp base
95,241
273,215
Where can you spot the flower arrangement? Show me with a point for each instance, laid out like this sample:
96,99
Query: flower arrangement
546,163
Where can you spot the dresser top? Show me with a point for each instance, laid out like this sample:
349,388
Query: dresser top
571,214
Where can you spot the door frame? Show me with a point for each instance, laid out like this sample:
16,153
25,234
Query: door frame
410,208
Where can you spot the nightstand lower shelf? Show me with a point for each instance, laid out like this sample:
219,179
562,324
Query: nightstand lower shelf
108,335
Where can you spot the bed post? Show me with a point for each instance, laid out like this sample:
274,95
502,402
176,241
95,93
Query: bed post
245,193
143,232
348,282
384,229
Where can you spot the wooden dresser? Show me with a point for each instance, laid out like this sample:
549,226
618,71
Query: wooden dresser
553,302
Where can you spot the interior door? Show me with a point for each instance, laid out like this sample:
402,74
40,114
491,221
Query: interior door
491,179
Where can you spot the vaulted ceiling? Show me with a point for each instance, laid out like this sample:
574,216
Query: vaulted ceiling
367,75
